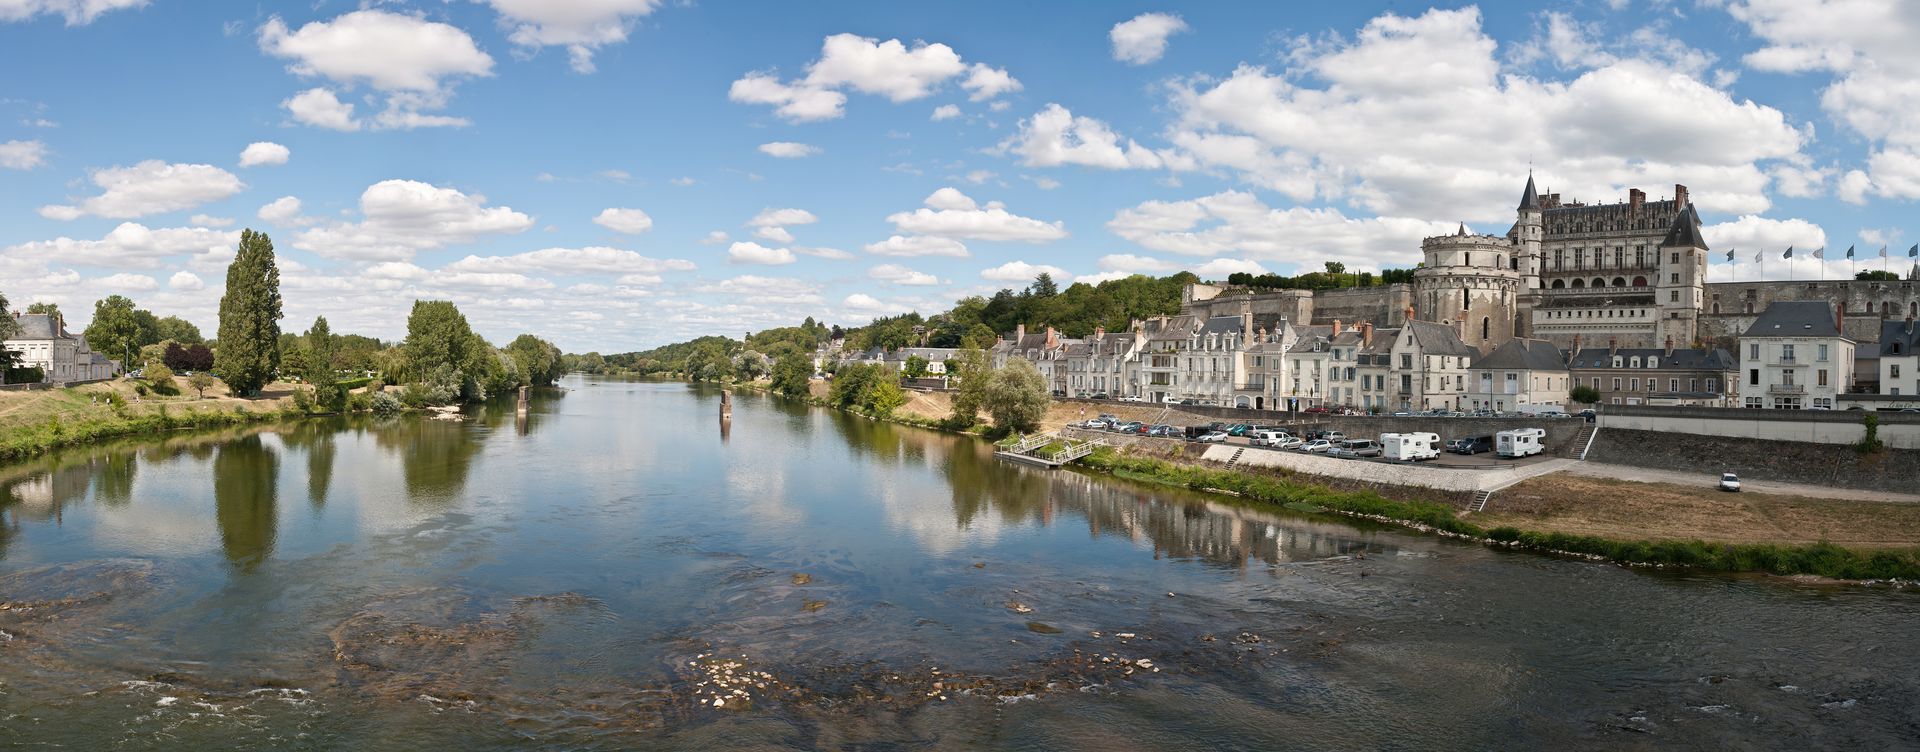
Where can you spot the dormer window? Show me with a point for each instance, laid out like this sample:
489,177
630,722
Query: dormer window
1636,361
1653,362
1617,361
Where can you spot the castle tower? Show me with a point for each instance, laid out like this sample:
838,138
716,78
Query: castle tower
1469,281
1680,290
1528,231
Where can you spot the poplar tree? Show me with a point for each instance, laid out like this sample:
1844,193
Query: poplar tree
250,317
326,384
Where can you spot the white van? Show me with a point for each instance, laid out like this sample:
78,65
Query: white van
1266,438
1410,446
1519,442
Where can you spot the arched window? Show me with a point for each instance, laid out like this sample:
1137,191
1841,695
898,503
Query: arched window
1599,282
1716,308
1486,327
1886,309
1558,284
1579,284
1639,281
1468,261
1619,281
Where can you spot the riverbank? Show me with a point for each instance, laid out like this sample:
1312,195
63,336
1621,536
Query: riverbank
1579,504
1822,558
36,422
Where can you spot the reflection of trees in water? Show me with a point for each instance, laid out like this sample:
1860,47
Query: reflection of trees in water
245,478
435,455
115,478
315,437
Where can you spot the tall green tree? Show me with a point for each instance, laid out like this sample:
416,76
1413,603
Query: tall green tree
250,314
973,372
179,330
438,335
1017,396
320,372
8,327
115,330
792,374
537,359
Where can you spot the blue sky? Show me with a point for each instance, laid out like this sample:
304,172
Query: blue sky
617,174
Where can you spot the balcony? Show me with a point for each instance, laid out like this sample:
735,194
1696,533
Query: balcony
1787,389
1787,362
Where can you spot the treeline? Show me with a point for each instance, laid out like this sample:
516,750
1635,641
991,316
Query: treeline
1335,277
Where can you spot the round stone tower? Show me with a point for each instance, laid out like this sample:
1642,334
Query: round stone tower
1469,282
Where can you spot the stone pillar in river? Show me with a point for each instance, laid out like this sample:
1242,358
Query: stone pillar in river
726,404
521,407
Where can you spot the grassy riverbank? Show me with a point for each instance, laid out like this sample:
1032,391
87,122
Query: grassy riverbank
1818,559
36,422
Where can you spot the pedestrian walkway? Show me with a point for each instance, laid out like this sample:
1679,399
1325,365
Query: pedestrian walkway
1749,485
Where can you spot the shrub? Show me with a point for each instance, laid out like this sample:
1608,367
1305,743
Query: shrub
302,400
359,402
385,403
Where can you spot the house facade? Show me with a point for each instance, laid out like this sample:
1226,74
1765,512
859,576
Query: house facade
1695,377
43,342
1794,357
1900,358
1520,372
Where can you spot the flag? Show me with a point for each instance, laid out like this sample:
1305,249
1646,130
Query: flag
1757,255
1849,251
1883,251
1914,251
1820,253
1729,255
1788,254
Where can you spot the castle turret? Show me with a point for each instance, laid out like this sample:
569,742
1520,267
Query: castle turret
1529,229
1469,280
1680,289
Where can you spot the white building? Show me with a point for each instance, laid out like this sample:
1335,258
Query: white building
1899,358
1520,372
1794,357
44,343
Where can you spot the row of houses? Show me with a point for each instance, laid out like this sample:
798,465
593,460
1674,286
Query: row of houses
42,341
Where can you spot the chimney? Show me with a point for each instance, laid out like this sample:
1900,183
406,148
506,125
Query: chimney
1336,327
1576,344
1053,337
1100,331
1019,333
1552,201
1246,319
1409,313
1366,334
1613,346
1679,196
1669,345
1636,198
1840,317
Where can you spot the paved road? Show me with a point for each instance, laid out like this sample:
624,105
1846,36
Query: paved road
1706,480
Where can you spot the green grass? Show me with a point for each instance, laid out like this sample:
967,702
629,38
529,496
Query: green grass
1819,559
32,440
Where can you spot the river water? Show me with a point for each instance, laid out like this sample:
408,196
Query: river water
596,575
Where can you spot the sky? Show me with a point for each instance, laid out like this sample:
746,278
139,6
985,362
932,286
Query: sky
619,174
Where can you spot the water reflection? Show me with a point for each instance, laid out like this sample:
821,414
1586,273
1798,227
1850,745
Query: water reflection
315,438
246,476
435,455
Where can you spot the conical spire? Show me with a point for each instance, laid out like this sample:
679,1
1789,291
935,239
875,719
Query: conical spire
1530,199
1686,231
1463,230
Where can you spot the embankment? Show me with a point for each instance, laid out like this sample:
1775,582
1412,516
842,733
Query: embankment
1840,465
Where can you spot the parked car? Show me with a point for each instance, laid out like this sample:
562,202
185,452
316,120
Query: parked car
1096,423
1164,431
1730,482
1334,436
1098,395
1355,448
1588,413
1316,445
1403,414
1132,426
1470,445
1212,437
1287,442
1238,429
1265,437
1132,399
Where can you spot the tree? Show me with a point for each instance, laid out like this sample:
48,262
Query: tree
980,337
749,365
973,371
1043,286
1335,267
50,309
1017,397
884,396
201,381
115,330
1584,394
179,330
160,377
250,314
199,358
537,359
1877,275
320,372
792,374
8,327
915,367
438,345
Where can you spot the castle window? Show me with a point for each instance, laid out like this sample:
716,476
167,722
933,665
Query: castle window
1619,282
1486,324
1675,278
1673,296
1639,281
1558,284
1464,302
1716,309
1676,257
1578,284
1468,261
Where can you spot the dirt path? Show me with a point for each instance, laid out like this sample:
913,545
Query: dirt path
1711,480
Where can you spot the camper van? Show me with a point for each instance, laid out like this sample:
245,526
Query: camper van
1410,446
1519,442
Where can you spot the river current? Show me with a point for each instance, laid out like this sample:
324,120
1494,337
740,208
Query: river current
621,570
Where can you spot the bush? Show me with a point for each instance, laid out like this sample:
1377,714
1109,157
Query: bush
302,400
358,402
385,403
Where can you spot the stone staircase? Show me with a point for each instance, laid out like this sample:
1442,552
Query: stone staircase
1231,461
1583,441
1479,502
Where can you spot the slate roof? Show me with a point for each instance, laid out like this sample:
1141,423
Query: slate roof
1689,359
1440,339
1530,199
1794,318
1686,231
39,326
1529,354
1903,334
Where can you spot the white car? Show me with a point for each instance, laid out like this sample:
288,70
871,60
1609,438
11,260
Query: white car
1131,399
1287,442
1316,445
1730,482
1212,437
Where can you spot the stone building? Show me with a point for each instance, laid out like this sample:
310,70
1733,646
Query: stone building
1701,377
1900,358
43,342
1470,280
1518,372
1794,357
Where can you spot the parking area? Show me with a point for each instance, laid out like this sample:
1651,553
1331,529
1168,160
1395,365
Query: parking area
1481,461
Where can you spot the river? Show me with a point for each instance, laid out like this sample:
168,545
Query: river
598,574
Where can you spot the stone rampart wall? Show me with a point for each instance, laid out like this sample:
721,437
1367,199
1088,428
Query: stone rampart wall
1837,465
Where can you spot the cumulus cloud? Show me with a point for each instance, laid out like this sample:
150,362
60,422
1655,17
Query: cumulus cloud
22,155
261,153
1239,223
1021,271
126,282
788,149
626,221
901,275
1765,238
782,217
410,59
1054,136
130,245
749,252
865,303
75,12
402,217
851,62
952,214
186,282
582,26
592,260
716,237
917,245
150,187
946,112
208,220
775,234
776,290
283,211
1143,39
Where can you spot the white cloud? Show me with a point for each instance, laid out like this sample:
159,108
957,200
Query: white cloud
626,221
320,107
409,58
76,12
150,187
1854,186
901,275
282,211
782,217
126,282
777,290
715,238
582,26
946,112
402,217
951,214
1021,271
1221,268
1768,238
592,260
833,254
1132,264
683,181
1143,39
1044,183
261,153
1412,140
890,69
977,177
788,149
22,155
208,220
186,282
1053,137
617,176
130,245
865,303
1238,223
775,234
918,245
748,252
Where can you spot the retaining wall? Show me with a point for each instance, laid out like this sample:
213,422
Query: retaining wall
1894,470
1842,427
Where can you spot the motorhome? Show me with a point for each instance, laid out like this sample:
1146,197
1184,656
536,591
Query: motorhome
1519,442
1410,446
